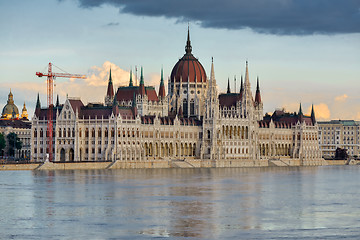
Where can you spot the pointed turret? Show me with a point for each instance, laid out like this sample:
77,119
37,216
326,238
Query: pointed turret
241,87
228,87
110,89
38,105
257,94
131,81
313,119
162,87
300,114
57,101
142,87
188,47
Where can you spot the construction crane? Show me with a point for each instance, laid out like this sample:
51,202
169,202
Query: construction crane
50,85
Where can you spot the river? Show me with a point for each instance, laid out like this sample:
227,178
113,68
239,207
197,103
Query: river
229,203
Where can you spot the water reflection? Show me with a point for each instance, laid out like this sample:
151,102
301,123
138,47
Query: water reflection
181,203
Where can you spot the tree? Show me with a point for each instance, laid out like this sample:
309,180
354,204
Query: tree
2,143
13,143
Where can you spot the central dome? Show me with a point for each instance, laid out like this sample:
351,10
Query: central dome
188,68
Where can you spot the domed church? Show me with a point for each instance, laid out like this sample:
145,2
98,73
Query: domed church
11,111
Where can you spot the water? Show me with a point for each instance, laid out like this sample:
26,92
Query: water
249,203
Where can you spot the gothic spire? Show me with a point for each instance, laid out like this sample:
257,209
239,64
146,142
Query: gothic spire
131,81
228,87
162,87
300,110
110,89
257,94
142,87
38,105
313,119
212,74
57,100
188,47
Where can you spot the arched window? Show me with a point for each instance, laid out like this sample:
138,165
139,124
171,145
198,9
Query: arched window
64,132
86,132
192,107
208,134
93,132
59,132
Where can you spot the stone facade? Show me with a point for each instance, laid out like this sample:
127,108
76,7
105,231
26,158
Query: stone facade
192,122
339,134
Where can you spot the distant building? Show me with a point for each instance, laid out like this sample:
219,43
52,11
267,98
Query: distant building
12,122
335,134
191,121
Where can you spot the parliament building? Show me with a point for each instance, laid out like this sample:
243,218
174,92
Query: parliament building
191,121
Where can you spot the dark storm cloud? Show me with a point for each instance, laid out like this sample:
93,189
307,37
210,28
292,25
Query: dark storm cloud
285,17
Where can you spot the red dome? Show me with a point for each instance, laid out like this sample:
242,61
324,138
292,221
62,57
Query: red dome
188,67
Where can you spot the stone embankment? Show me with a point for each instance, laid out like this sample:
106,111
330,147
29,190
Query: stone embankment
186,163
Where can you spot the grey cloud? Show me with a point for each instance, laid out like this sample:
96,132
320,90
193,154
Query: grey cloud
283,17
111,24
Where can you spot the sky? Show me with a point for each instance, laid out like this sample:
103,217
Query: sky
304,51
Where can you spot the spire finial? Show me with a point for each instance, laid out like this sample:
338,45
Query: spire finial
110,79
300,110
38,105
228,87
257,84
162,77
130,82
313,119
188,47
141,77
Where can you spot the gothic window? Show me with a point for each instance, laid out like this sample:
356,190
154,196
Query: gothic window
192,108
106,132
64,132
80,132
208,134
59,132
112,132
185,107
93,132
35,132
41,133
69,132
69,115
86,132
73,132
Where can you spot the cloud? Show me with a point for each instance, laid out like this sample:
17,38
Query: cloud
322,111
99,76
341,98
91,89
112,24
283,17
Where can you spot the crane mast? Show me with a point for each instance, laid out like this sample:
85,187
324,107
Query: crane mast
50,86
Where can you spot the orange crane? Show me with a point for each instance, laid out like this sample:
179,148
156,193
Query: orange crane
50,85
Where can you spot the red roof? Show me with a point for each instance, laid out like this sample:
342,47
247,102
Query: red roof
128,93
229,99
188,67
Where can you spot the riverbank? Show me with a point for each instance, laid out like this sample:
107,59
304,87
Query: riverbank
189,163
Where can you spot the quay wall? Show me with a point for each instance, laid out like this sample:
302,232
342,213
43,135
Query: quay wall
162,163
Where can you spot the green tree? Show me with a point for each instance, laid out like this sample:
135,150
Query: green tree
13,143
2,143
